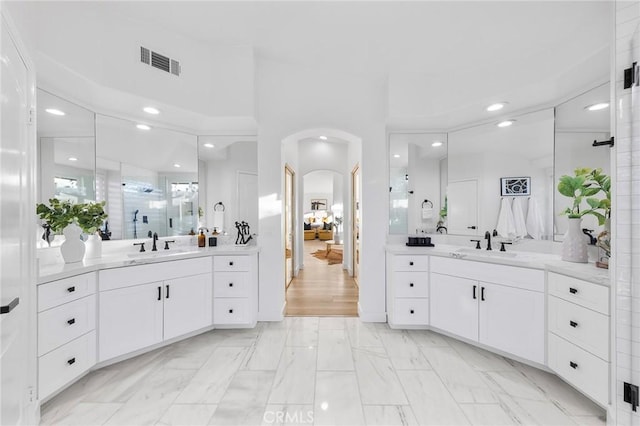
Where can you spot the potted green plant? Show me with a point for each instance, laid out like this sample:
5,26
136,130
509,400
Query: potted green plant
584,185
337,223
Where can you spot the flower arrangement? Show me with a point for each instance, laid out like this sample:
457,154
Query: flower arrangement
59,213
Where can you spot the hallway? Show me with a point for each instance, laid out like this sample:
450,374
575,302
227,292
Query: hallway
321,289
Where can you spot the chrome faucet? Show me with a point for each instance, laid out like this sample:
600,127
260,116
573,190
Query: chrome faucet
155,239
487,236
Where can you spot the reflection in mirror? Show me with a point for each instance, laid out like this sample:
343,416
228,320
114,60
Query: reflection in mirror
148,177
479,157
577,127
66,150
228,174
416,163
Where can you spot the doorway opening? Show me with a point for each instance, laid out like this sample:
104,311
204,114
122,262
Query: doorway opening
319,228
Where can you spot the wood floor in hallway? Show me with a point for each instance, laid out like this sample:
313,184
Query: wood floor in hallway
321,289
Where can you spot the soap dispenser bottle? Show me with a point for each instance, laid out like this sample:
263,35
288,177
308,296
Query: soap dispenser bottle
202,239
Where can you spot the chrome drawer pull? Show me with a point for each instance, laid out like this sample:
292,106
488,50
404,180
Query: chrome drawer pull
71,361
71,321
573,365
573,324
573,290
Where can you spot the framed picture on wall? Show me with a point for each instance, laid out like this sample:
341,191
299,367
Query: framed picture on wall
515,186
318,204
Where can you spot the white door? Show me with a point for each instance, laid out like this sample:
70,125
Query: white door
130,319
512,320
248,199
454,305
462,207
192,295
17,233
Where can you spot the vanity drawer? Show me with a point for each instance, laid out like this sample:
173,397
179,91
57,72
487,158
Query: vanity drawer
411,311
231,284
59,367
66,290
410,284
111,279
581,326
230,263
64,323
583,293
585,371
404,262
230,311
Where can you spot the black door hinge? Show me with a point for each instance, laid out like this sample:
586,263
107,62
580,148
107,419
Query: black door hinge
632,76
631,395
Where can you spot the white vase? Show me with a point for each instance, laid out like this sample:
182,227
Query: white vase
574,245
93,246
73,248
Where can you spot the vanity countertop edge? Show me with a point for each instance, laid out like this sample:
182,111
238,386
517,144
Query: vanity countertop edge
59,270
547,262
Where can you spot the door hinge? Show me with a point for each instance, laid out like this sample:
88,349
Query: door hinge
631,395
31,117
632,76
31,394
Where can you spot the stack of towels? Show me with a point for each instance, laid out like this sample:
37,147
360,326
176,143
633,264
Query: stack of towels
512,222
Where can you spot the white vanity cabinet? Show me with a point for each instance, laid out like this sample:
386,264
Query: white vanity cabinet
143,305
579,330
407,290
235,291
66,331
496,305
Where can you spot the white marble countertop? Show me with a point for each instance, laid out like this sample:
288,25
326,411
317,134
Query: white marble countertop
548,262
57,270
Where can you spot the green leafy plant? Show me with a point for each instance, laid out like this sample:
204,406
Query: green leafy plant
58,214
585,185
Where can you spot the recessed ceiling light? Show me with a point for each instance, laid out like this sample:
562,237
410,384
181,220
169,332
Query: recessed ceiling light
496,107
176,165
324,138
598,106
151,110
209,145
55,111
505,123
396,155
143,127
72,159
436,144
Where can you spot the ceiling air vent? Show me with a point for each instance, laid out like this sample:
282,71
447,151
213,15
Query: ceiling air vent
159,61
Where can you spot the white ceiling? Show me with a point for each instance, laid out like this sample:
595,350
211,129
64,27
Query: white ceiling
453,57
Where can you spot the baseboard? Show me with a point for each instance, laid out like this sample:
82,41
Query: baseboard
371,316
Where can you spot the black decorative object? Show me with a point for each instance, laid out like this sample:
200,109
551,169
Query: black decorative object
515,186
244,233
419,242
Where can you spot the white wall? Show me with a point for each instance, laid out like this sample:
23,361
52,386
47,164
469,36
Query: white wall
221,184
351,103
625,291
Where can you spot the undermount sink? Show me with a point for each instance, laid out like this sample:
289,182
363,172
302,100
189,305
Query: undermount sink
151,254
483,252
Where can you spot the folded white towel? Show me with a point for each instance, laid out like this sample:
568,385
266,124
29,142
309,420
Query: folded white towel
506,227
518,217
427,213
535,224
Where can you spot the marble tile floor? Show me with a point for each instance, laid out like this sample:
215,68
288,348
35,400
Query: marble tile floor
320,371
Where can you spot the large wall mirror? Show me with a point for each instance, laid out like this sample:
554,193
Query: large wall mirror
501,171
579,122
149,178
228,177
66,150
417,162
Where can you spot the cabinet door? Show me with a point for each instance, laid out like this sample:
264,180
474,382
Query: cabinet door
453,306
187,304
130,319
512,320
